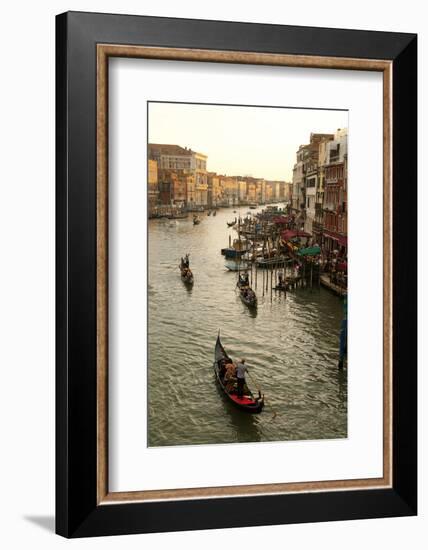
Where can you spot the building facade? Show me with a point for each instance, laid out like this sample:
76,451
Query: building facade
183,160
214,189
173,187
153,187
335,193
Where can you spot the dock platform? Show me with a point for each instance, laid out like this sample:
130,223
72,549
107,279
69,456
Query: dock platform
339,290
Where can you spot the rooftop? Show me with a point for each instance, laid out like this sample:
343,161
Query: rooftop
166,149
174,150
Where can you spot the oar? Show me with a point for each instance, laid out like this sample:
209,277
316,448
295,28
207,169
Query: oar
260,392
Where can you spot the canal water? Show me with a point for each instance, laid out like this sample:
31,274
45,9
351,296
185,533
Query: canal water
290,345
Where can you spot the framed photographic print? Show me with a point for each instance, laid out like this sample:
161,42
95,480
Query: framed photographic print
236,274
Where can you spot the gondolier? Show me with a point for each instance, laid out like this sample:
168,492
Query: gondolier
241,369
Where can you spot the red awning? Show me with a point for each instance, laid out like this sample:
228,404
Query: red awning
282,219
341,239
290,234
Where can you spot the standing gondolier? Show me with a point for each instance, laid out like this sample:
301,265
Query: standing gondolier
241,369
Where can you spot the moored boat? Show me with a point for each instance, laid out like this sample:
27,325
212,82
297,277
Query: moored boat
271,262
180,216
235,264
236,250
196,220
247,402
281,287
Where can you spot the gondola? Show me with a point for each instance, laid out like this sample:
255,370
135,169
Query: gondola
186,274
177,217
283,287
246,293
248,296
196,220
247,402
231,224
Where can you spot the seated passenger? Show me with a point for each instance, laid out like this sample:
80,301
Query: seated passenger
230,372
222,368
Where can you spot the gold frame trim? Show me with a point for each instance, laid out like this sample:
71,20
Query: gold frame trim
104,51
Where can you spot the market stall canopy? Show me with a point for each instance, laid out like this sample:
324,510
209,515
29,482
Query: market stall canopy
310,251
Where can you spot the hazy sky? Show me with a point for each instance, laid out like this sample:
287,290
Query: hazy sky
248,141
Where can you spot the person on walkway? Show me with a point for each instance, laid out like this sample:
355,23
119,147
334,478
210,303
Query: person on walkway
241,369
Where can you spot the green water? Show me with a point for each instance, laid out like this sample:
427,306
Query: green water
290,343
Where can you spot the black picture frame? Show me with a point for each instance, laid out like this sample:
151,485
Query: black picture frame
77,511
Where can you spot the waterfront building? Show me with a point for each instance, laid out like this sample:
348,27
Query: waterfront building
287,192
261,191
305,188
311,183
298,196
335,193
230,190
173,187
152,186
251,191
214,191
269,191
242,191
190,191
318,222
184,160
201,179
278,190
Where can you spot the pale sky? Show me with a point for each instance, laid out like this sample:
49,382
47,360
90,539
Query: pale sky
248,141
